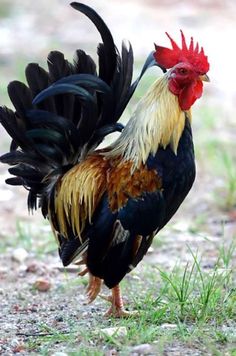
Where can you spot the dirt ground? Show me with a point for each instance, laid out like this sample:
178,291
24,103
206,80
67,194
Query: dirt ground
28,254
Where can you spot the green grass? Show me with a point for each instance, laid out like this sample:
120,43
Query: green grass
196,303
195,296
33,237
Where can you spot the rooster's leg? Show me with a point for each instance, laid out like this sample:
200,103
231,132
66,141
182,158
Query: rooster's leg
83,272
93,288
117,308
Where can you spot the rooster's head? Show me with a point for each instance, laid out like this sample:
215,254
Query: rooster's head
188,67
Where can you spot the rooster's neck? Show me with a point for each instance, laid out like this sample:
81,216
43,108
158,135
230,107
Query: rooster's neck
156,122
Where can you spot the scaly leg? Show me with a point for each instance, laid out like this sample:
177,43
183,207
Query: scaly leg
93,288
83,272
117,308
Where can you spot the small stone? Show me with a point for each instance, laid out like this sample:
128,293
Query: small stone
143,349
168,326
19,255
42,285
118,332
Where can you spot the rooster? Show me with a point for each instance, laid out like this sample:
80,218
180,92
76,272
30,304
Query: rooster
105,205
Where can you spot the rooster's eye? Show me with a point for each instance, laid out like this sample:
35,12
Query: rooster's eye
183,71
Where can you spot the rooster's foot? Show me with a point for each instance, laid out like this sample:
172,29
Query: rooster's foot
93,288
117,309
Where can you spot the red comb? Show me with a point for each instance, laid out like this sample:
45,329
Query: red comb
168,58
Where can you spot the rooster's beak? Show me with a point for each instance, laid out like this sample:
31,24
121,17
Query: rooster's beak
204,78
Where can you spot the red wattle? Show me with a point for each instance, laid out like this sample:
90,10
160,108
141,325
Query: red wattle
188,94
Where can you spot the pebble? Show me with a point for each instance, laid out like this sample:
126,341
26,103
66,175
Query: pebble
143,349
118,332
19,255
42,285
168,326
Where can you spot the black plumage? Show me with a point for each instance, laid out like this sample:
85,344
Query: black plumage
51,132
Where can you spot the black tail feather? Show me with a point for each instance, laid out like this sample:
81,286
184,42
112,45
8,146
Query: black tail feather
38,79
14,128
59,67
106,51
75,106
83,63
21,97
127,69
14,157
15,181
